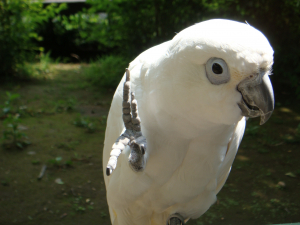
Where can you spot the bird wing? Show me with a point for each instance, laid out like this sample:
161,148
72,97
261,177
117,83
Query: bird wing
232,149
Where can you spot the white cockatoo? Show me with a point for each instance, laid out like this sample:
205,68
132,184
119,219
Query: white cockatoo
166,162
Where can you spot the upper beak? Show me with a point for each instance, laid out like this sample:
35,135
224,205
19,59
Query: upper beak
257,97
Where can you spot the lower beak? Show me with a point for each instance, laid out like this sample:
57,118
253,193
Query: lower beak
257,97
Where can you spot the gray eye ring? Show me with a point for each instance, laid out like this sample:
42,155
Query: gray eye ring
217,71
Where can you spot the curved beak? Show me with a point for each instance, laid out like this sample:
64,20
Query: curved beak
257,97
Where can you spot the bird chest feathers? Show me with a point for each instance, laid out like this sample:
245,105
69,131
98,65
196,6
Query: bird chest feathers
177,119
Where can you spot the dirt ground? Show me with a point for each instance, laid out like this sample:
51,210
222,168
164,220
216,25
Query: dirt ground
64,119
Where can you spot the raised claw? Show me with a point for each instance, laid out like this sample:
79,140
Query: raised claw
132,135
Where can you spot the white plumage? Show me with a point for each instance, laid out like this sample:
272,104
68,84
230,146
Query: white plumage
193,126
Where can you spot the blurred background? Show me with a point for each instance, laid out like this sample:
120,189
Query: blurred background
60,62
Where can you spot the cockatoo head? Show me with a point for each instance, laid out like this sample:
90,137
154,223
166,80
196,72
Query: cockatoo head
221,69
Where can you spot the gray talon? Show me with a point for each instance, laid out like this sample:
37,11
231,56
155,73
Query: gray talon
132,136
108,171
143,150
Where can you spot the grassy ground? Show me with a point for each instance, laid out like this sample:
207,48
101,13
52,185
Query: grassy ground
64,119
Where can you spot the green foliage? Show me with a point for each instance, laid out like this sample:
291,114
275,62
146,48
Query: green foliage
78,204
86,123
18,20
43,67
12,133
7,107
84,22
106,72
12,136
64,105
116,26
57,162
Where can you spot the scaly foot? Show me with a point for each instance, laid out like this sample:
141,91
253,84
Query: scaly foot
132,135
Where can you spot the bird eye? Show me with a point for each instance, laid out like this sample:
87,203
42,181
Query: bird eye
217,71
216,68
